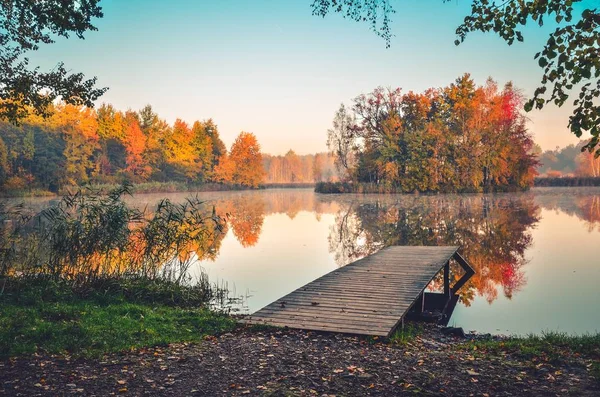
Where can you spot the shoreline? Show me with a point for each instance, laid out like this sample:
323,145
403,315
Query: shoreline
147,188
282,362
168,188
60,342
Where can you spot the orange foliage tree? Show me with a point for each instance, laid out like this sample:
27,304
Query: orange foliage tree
135,143
245,154
224,169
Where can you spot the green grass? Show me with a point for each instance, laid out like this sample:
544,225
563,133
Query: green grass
37,289
42,314
551,344
596,370
86,328
406,334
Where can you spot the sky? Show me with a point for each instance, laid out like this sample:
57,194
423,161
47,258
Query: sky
271,68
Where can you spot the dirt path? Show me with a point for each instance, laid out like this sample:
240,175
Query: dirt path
290,363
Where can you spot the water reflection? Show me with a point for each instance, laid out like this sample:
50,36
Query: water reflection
583,204
493,232
535,254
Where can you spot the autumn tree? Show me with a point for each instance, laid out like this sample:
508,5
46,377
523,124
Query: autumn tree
202,143
224,170
79,128
217,145
111,131
293,166
462,137
341,140
245,154
156,131
180,153
135,143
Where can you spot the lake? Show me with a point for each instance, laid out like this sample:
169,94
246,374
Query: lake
536,254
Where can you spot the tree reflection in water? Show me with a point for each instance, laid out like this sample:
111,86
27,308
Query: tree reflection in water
493,232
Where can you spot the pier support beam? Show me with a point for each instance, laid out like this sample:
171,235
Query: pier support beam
447,279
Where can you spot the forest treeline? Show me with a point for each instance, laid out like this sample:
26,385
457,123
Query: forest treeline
459,138
569,161
295,168
79,145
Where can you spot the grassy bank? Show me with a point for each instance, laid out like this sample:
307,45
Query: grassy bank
374,188
145,187
567,182
92,275
154,187
48,316
550,345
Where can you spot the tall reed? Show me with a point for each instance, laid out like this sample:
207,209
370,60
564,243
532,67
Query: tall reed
88,236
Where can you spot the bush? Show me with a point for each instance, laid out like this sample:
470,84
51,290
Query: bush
335,187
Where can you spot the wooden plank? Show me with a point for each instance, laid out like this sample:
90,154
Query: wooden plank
369,296
294,322
334,307
328,328
332,313
343,304
322,320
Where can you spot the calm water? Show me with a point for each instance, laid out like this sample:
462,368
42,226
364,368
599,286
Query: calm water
536,254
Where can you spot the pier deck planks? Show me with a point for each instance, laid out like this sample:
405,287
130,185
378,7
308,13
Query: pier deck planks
367,297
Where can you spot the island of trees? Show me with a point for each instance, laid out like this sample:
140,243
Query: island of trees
459,138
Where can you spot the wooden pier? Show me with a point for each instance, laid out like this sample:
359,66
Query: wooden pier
368,297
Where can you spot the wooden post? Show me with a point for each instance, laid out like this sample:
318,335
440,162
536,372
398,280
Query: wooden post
447,279
420,304
469,272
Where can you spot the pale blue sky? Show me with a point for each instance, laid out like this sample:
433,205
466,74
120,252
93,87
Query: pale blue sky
271,68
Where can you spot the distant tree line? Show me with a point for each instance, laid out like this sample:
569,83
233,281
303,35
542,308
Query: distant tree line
569,161
294,168
459,138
